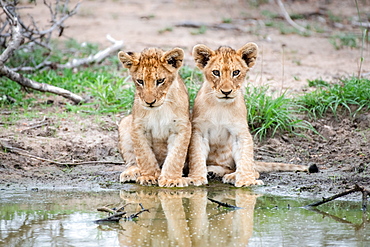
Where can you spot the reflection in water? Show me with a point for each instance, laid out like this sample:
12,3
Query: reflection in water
188,218
177,217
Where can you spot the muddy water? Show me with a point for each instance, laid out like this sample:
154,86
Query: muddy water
176,217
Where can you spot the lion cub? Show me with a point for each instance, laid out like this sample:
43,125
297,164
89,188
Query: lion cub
154,139
221,143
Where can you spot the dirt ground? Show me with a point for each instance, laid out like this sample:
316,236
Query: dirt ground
285,62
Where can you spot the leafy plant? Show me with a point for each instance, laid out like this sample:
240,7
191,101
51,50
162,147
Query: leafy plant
350,95
268,115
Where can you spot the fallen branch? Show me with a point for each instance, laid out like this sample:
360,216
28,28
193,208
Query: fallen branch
365,194
288,19
361,24
19,151
223,204
97,58
220,26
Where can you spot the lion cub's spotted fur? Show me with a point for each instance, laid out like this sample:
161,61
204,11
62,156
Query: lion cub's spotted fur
154,139
221,143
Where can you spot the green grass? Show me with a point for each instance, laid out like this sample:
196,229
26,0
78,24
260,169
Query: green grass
193,79
268,115
342,40
350,95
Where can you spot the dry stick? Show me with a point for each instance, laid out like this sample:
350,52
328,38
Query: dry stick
97,58
288,19
355,189
21,152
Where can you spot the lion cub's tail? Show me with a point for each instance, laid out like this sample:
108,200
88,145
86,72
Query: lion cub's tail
272,166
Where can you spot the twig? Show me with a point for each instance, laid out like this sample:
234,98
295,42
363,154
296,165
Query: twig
106,209
223,204
119,214
114,218
23,153
36,125
365,193
134,216
287,17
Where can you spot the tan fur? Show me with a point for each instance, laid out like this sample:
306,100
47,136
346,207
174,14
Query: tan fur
153,141
188,218
221,143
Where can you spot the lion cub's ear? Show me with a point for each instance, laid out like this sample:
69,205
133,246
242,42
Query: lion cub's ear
202,54
128,59
249,53
173,58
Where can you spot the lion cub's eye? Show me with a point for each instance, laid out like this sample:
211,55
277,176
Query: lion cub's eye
216,72
140,82
236,72
160,81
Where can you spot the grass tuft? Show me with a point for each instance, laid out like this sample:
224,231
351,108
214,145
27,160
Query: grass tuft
268,115
351,95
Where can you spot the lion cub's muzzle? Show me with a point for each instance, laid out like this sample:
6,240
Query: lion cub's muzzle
151,104
226,94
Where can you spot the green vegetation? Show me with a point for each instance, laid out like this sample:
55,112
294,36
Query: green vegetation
342,40
165,30
268,115
193,79
351,95
109,92
200,30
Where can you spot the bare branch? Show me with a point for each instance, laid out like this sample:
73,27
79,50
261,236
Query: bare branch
288,19
60,21
43,87
97,58
365,194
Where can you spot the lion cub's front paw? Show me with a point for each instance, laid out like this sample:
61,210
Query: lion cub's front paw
197,180
147,180
248,182
172,182
244,180
130,175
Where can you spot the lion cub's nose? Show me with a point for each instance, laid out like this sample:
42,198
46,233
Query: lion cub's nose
227,92
151,104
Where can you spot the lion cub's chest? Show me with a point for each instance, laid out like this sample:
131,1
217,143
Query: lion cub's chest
217,126
160,124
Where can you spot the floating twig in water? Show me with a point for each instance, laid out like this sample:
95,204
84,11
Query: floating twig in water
365,194
223,204
118,214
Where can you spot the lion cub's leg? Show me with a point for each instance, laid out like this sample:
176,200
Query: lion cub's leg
126,150
178,143
145,157
245,174
198,153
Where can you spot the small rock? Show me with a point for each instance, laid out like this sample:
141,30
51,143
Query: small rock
327,131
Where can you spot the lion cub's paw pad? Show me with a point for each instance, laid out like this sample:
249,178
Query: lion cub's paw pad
147,180
177,182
